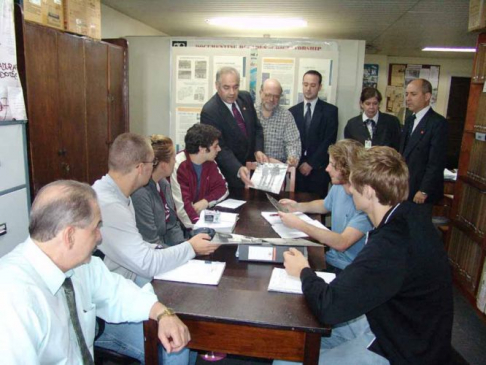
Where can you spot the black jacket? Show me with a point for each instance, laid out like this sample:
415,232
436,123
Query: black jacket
322,134
387,131
402,281
426,154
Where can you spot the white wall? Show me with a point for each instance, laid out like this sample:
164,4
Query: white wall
116,25
448,68
350,81
149,80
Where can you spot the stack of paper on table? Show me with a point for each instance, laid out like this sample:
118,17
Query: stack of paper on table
286,232
283,282
231,203
226,224
196,272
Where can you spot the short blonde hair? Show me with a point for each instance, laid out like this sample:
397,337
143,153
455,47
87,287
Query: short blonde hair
344,154
384,170
163,147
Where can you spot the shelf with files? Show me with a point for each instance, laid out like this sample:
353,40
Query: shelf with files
466,239
14,185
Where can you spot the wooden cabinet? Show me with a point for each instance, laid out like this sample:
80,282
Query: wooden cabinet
77,102
466,241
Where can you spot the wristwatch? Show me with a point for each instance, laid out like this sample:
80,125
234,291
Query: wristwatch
423,193
167,312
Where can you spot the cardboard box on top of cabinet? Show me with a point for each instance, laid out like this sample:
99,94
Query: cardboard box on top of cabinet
45,12
76,16
94,19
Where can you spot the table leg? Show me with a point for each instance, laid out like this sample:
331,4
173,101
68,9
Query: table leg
312,348
151,341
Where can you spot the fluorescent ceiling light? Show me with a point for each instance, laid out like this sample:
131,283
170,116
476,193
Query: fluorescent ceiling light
445,49
257,23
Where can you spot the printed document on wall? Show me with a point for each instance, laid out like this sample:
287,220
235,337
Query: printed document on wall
192,79
282,69
185,118
11,97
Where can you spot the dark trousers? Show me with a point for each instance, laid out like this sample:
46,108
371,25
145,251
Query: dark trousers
316,182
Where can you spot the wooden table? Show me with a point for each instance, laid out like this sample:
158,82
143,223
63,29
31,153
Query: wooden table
239,316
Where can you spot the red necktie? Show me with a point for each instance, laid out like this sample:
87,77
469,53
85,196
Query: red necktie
239,119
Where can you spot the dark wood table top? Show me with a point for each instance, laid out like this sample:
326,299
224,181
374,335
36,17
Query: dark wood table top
241,296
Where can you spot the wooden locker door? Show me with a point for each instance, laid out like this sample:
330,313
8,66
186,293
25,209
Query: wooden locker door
72,106
45,148
118,90
96,63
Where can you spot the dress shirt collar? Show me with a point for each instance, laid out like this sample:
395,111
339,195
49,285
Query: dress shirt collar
313,105
117,190
421,114
48,272
375,118
230,106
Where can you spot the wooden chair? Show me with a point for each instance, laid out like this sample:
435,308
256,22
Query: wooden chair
289,182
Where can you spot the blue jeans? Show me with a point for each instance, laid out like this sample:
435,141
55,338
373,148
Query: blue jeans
348,344
127,339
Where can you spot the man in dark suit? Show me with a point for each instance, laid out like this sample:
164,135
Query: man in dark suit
423,145
373,128
318,123
231,111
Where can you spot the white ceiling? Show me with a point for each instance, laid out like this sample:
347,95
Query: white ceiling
389,27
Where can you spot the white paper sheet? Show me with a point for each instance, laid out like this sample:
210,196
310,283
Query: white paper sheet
231,203
286,232
195,272
269,177
282,282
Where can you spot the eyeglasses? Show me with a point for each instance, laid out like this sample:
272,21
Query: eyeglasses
154,162
271,96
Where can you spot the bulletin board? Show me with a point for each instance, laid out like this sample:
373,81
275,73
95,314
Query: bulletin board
399,75
196,61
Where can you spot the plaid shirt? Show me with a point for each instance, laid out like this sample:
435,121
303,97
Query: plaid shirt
280,134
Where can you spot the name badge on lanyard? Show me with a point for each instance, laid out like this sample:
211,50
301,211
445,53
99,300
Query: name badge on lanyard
368,143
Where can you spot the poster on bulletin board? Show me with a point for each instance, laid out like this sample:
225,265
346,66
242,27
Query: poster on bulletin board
370,75
12,105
